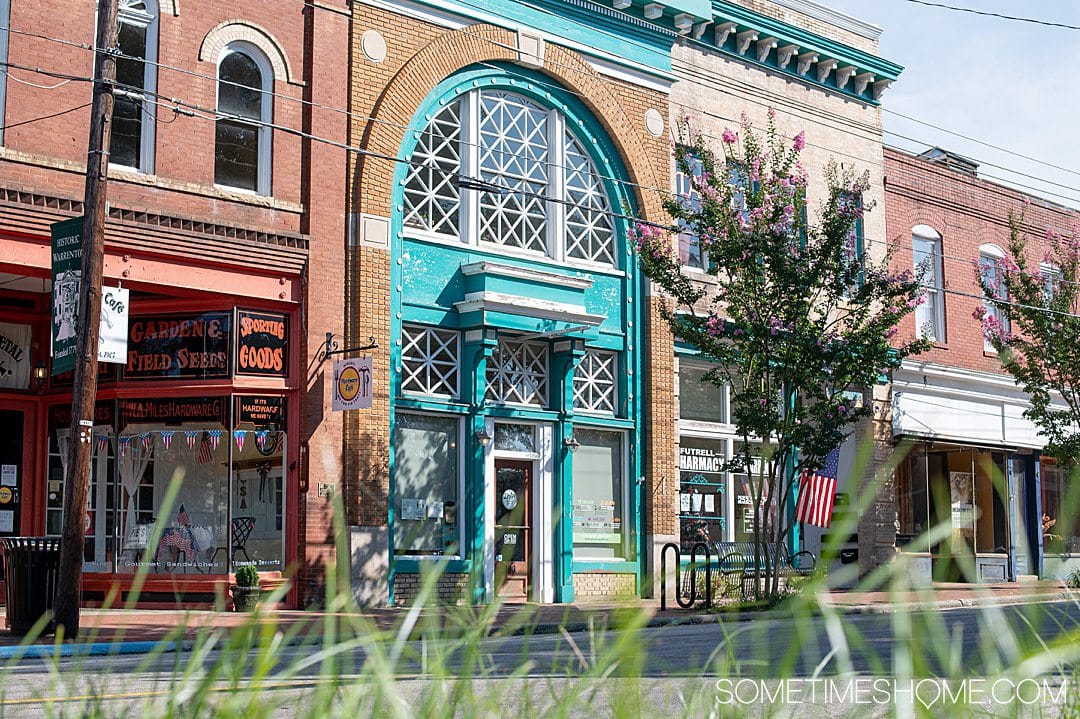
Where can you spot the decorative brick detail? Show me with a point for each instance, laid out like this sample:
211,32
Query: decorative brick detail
451,588
597,585
244,31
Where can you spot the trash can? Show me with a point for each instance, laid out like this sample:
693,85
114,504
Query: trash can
32,566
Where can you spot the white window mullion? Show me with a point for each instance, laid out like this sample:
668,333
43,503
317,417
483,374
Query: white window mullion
470,166
556,226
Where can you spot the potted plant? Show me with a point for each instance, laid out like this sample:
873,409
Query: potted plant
246,592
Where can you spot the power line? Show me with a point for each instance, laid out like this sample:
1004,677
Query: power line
46,117
987,13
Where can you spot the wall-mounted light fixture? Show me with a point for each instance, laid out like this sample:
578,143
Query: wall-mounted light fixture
40,374
483,437
571,443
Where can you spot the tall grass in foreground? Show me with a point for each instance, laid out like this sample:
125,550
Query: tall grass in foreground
485,661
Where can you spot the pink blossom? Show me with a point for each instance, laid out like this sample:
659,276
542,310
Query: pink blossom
729,137
799,142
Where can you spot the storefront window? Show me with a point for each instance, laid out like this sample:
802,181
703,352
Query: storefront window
700,399
599,495
426,471
703,511
746,517
256,530
1060,511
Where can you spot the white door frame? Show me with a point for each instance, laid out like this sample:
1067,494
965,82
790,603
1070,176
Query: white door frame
541,569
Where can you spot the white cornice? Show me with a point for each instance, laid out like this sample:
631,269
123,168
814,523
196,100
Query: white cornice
527,307
832,17
526,273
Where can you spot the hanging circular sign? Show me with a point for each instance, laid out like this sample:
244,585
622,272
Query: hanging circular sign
6,495
348,383
509,499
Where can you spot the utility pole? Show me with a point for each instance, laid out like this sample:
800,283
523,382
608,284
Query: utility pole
84,393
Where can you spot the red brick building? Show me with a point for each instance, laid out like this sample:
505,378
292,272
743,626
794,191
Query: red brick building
975,460
226,224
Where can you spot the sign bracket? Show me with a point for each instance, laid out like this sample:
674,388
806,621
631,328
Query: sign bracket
331,347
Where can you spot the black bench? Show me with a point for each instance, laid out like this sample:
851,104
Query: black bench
739,568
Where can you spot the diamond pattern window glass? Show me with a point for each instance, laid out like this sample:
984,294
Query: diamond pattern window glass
514,156
430,361
594,382
497,168
518,374
589,231
432,198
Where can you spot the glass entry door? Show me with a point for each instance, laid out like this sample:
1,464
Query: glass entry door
513,536
11,470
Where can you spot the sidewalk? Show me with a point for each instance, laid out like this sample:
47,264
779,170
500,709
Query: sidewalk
116,626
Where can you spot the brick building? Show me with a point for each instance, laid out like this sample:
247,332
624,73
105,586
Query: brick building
975,460
226,225
820,72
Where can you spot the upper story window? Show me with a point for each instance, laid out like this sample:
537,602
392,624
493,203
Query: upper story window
1052,278
244,108
595,386
5,13
430,359
496,168
699,398
853,246
992,269
131,143
926,251
517,373
690,254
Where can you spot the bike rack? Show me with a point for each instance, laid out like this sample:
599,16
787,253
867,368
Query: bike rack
693,576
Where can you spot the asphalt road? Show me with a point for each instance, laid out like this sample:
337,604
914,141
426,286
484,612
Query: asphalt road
674,662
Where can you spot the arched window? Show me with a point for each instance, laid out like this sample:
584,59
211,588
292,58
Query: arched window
131,143
244,107
992,270
494,167
926,251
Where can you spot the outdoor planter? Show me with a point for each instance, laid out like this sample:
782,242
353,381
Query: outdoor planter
245,599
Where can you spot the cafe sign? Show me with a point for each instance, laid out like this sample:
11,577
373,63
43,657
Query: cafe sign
352,384
262,344
179,345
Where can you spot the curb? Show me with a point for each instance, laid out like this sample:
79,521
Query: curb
51,651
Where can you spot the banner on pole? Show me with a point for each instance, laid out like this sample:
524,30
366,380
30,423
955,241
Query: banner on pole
67,249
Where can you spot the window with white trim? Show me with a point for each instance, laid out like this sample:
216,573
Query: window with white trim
926,252
1052,277
244,109
517,373
430,360
497,168
131,143
690,254
992,271
594,382
5,15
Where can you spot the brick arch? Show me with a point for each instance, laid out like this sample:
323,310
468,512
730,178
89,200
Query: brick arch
458,49
235,30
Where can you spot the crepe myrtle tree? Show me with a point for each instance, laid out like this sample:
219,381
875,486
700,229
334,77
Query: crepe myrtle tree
798,316
1031,317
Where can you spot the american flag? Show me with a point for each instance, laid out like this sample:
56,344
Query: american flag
818,491
182,517
206,449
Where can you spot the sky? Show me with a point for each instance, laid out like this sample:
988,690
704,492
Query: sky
1003,82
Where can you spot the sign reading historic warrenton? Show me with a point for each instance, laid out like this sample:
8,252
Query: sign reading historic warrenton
66,280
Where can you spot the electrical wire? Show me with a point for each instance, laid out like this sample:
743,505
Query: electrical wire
1001,16
46,117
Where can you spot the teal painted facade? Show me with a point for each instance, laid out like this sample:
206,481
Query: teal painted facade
482,292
